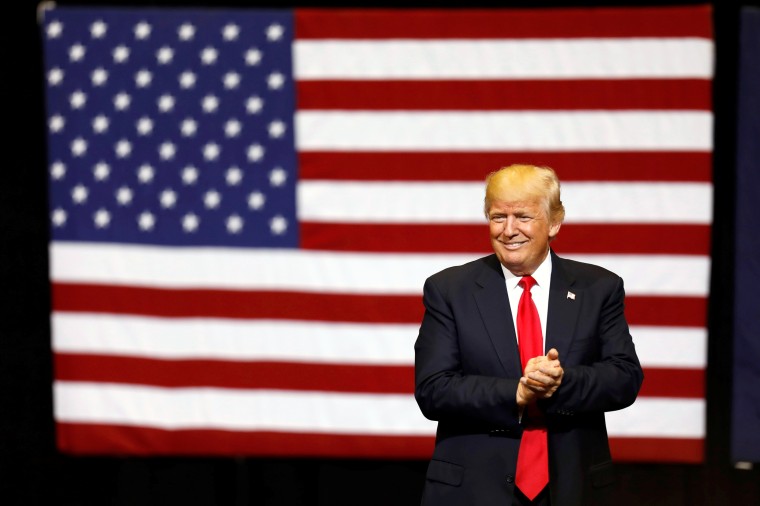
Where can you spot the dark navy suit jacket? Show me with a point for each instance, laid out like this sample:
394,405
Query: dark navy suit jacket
467,367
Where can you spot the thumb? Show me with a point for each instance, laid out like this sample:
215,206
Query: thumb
553,354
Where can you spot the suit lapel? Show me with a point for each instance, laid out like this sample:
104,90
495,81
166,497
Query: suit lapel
563,308
493,304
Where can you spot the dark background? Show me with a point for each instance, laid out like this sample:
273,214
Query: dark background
33,472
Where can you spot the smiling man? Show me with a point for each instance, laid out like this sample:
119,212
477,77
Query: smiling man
519,355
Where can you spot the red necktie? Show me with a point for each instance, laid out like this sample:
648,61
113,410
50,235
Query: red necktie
533,459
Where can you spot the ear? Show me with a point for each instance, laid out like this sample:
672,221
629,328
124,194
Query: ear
554,230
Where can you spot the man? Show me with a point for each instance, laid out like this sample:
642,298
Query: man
512,433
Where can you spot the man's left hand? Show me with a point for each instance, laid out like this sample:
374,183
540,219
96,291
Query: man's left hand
543,374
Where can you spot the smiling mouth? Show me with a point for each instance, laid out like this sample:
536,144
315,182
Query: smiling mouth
514,245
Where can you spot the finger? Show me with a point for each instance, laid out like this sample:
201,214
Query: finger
547,382
535,386
536,365
531,381
541,378
536,360
553,354
553,370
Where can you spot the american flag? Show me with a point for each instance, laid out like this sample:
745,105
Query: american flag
244,205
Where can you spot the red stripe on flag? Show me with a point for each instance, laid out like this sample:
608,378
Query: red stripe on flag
498,24
97,439
574,238
661,382
371,379
449,95
473,166
385,379
237,304
640,310
690,451
666,311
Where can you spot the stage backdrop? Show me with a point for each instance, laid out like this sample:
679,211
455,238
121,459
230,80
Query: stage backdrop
245,204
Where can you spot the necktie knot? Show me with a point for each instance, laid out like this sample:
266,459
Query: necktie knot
527,282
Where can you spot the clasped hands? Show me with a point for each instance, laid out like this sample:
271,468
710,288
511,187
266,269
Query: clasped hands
541,378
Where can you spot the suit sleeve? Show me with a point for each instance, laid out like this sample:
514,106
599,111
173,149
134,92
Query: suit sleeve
611,379
445,387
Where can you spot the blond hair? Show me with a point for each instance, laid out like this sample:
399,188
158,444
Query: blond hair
521,182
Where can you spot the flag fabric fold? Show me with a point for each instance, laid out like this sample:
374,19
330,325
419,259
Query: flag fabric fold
244,205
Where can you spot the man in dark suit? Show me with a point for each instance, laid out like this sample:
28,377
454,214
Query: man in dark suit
468,371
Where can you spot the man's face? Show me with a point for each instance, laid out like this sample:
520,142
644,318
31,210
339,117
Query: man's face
520,233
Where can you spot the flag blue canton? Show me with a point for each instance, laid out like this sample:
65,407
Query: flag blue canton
171,127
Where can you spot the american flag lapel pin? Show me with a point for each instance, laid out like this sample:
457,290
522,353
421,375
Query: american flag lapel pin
571,295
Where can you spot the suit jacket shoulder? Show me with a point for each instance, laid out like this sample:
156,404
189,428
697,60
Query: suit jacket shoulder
480,271
581,274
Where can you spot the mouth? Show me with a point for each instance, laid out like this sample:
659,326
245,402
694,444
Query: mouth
514,245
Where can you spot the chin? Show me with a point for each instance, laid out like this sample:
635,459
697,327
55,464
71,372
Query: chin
512,266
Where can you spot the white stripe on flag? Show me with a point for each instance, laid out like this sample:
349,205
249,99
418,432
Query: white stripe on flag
500,131
209,408
291,341
320,412
329,272
441,202
210,338
657,274
671,347
504,59
659,418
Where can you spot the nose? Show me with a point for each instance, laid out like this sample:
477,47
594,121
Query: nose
509,227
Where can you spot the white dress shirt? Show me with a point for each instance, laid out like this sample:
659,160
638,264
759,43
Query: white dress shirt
540,293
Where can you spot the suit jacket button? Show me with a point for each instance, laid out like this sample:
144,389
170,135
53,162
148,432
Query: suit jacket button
510,478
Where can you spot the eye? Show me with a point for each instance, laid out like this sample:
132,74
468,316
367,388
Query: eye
498,218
